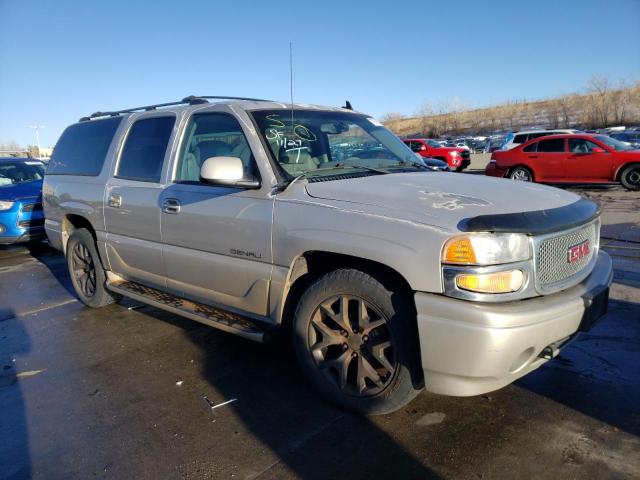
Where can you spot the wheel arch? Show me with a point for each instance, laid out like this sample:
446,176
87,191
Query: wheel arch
310,265
72,222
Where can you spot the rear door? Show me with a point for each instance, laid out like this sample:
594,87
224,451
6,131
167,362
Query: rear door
546,158
132,201
583,163
217,239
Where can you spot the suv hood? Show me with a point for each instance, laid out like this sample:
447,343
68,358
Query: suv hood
439,199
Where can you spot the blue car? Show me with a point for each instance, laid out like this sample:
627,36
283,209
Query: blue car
21,215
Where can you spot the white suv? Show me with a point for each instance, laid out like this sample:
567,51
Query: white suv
514,139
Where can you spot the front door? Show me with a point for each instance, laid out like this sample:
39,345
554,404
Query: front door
216,239
132,199
583,163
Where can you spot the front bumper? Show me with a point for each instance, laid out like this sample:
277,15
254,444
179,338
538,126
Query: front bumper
469,348
27,237
20,224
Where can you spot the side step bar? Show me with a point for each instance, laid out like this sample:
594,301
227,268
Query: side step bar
214,317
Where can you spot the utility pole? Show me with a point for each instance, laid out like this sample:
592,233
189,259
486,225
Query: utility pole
37,129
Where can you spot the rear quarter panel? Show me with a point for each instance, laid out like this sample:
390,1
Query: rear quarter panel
81,195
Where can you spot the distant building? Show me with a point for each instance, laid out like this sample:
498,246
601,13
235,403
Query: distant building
45,152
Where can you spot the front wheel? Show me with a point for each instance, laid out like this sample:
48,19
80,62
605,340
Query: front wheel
521,174
630,177
356,341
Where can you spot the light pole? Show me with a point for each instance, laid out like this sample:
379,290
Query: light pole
37,129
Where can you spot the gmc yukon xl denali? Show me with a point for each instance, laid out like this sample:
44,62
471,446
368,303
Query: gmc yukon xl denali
254,216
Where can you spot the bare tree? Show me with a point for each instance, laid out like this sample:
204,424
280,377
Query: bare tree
599,87
391,117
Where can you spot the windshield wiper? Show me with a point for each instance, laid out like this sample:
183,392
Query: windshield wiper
412,164
281,187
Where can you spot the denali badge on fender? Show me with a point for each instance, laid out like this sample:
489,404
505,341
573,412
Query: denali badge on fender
579,251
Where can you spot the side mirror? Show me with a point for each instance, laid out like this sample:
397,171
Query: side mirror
228,171
598,150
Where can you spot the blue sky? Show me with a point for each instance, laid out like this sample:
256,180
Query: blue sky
62,59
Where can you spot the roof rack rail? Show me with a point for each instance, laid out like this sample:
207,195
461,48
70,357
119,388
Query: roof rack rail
190,100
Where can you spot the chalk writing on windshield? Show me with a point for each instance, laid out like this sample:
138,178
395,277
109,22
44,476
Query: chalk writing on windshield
277,131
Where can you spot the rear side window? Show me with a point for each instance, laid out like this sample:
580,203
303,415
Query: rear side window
520,138
552,145
83,147
530,148
143,152
540,134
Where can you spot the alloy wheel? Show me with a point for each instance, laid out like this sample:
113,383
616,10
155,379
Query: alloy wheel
84,269
633,177
351,344
521,175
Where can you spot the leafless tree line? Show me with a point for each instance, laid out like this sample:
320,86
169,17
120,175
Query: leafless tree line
603,104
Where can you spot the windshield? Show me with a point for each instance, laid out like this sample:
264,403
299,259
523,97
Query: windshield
433,143
12,173
613,143
305,142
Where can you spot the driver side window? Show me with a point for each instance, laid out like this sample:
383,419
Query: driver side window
212,135
580,145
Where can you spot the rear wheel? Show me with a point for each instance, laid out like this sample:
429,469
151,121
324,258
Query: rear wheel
87,275
521,174
630,177
356,342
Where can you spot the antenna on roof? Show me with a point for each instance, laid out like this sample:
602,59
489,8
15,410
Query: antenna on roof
347,105
291,79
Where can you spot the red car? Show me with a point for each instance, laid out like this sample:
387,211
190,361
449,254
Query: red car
457,158
576,158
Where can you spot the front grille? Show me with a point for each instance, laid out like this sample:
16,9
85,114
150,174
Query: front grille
554,271
465,154
32,207
31,223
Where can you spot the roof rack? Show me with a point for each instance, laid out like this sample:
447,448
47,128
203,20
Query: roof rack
190,100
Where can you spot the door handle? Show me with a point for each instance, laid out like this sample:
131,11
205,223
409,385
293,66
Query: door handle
171,205
115,200
533,156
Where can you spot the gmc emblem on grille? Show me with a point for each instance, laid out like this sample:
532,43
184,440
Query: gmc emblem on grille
579,251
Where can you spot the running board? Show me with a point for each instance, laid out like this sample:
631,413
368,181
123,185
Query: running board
214,317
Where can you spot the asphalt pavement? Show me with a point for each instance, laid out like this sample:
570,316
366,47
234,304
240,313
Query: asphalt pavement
129,391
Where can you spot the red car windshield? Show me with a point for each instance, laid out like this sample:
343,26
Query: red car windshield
613,143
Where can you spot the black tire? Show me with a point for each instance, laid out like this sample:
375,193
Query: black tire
522,174
383,373
630,177
86,272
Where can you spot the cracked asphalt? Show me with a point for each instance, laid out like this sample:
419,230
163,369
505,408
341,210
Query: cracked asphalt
127,392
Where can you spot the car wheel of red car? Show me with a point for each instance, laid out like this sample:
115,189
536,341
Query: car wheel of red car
630,177
521,174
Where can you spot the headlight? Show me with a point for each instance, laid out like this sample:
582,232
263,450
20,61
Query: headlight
497,282
5,204
455,153
487,249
